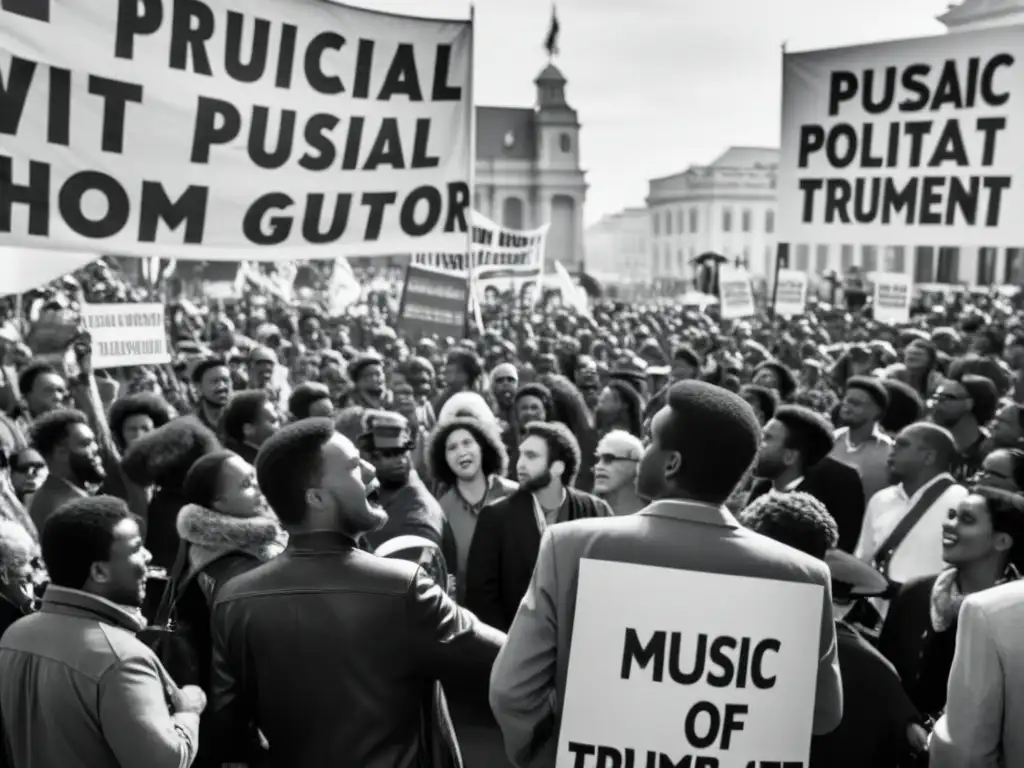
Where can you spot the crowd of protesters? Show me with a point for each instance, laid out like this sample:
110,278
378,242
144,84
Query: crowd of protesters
303,541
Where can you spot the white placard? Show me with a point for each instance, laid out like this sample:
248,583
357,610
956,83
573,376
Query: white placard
235,129
126,334
910,143
735,295
636,624
892,297
791,293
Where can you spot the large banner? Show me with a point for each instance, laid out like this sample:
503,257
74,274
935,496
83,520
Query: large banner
504,260
235,129
905,143
705,670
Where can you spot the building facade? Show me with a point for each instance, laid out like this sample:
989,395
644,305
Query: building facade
727,207
618,248
528,169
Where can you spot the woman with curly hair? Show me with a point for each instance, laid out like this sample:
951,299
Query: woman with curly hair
569,408
160,460
133,416
468,460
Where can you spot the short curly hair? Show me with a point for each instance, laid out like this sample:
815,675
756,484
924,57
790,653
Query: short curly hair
31,372
562,446
79,533
51,429
796,519
493,454
139,404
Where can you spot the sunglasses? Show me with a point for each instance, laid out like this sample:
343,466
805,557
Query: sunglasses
611,458
28,469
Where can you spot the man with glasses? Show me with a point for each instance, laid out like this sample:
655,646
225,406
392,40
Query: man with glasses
963,405
618,456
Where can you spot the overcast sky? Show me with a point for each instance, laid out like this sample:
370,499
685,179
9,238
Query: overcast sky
663,84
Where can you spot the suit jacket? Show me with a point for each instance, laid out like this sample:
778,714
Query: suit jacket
985,705
529,675
836,485
504,551
364,637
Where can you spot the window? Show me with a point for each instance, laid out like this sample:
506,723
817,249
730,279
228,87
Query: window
666,261
668,222
987,266
747,217
869,258
727,219
948,270
894,260
769,222
846,258
565,142
746,257
680,221
821,259
924,264
1014,271
803,257
693,220
681,262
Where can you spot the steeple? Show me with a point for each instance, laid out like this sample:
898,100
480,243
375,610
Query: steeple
551,88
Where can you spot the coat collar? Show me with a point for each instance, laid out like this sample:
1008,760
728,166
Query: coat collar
75,602
319,541
691,512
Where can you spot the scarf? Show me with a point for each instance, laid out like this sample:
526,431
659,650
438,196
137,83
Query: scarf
211,534
947,597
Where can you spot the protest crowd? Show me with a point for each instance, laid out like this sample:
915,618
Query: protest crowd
231,509
307,462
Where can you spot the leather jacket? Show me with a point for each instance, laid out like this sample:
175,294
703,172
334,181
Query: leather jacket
335,654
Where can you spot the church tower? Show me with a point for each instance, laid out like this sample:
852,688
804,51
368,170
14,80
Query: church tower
970,15
562,186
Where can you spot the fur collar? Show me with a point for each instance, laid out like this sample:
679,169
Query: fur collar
261,537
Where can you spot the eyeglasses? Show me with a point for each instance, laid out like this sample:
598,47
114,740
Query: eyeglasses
28,469
611,458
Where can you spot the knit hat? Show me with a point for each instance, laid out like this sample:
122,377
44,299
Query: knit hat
386,431
202,482
502,370
356,367
872,387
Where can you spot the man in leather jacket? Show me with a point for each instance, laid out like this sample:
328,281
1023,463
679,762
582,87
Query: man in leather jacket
332,652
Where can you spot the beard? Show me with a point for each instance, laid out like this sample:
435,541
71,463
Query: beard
86,471
543,480
769,467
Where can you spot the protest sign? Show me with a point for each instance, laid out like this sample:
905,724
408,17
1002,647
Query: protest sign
735,296
504,260
892,297
905,143
254,129
433,302
791,293
126,334
706,671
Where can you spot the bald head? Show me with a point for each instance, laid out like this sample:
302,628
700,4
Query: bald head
932,437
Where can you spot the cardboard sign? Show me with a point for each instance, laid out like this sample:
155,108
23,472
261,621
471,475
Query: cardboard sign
126,334
791,293
909,143
892,297
735,296
673,667
433,303
236,129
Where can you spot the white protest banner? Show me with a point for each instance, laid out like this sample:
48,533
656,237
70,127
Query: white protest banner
735,295
893,295
126,334
235,129
504,260
705,671
905,143
791,293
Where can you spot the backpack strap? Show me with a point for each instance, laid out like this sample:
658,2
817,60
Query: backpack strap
169,599
883,557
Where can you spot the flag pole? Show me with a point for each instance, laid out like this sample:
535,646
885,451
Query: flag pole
471,304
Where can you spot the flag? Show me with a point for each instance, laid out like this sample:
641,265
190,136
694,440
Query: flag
551,43
345,289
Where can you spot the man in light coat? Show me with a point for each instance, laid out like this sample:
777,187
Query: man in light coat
985,700
703,442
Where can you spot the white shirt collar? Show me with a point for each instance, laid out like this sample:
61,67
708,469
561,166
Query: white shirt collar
794,485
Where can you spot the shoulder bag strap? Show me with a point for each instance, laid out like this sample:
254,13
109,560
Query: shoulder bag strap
174,578
883,558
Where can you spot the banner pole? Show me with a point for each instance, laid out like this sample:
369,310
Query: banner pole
471,303
781,262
